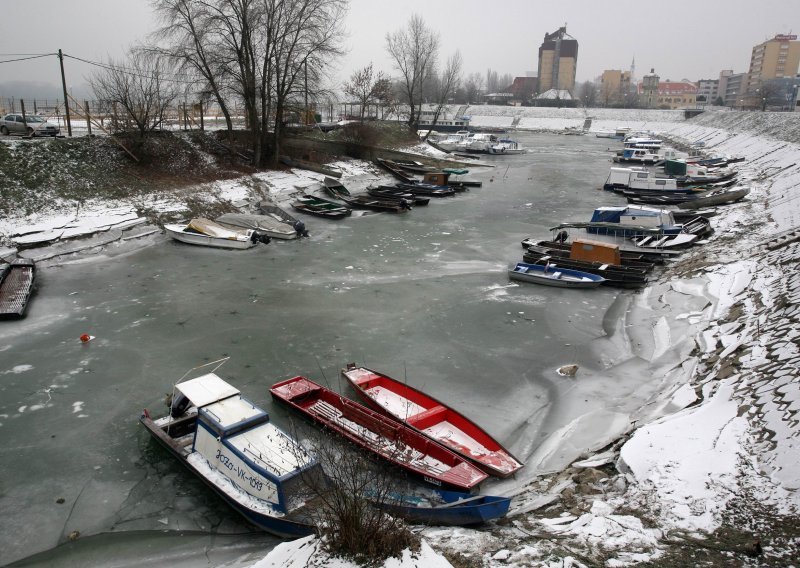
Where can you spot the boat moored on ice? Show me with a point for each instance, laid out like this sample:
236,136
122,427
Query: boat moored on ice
433,419
232,446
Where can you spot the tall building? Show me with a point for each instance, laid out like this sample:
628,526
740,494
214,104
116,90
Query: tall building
615,87
776,58
732,88
558,61
707,91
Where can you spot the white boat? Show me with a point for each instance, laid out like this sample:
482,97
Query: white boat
263,224
638,156
207,233
230,443
505,146
454,141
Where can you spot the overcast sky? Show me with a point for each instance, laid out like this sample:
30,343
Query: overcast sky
679,39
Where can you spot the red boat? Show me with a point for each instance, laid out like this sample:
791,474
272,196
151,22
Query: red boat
433,419
395,442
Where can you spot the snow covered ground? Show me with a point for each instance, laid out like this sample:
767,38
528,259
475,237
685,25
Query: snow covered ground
717,448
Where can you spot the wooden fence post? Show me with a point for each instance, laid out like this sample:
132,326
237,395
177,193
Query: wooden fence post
88,118
202,124
24,118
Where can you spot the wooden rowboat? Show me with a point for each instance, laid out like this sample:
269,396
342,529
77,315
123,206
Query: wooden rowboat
555,276
430,417
396,443
16,286
451,508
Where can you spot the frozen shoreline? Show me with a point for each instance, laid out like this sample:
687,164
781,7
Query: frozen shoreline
682,317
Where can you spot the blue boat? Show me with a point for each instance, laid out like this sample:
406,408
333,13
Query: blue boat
554,275
451,508
230,443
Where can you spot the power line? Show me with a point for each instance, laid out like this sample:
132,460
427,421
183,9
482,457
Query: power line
26,58
128,71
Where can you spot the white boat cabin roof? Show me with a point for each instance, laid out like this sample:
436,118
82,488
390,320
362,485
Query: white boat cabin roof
206,389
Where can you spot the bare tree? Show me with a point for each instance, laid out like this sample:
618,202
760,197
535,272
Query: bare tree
587,93
266,53
448,84
414,50
366,86
492,81
141,88
505,81
473,87
302,36
189,35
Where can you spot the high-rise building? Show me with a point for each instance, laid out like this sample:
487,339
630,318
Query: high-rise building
558,61
776,58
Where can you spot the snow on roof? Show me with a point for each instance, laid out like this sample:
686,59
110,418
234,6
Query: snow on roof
206,389
555,94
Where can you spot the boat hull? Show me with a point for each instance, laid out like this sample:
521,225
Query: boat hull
557,277
179,233
282,526
17,281
432,419
392,441
458,509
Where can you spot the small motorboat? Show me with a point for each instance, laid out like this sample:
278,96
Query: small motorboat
207,233
394,442
262,224
433,419
553,276
232,446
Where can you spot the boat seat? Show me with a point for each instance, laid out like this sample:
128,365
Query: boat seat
522,269
429,417
556,275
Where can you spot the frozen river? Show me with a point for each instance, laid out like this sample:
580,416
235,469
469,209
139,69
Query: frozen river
422,296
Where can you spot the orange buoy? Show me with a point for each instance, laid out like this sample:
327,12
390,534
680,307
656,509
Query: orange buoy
85,338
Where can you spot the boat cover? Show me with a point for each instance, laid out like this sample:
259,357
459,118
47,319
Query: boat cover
206,389
262,222
212,229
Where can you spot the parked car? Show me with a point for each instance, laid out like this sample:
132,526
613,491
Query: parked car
30,125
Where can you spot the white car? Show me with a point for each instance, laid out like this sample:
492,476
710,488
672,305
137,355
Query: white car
29,125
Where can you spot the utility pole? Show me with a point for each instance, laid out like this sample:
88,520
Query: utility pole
64,86
305,113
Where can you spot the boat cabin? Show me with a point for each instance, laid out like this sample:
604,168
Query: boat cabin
646,180
595,251
634,217
240,443
436,178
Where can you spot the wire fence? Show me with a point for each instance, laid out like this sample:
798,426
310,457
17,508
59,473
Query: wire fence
83,114
86,115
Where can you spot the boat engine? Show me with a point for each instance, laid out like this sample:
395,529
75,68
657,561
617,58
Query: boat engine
258,237
177,404
300,228
405,204
561,237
